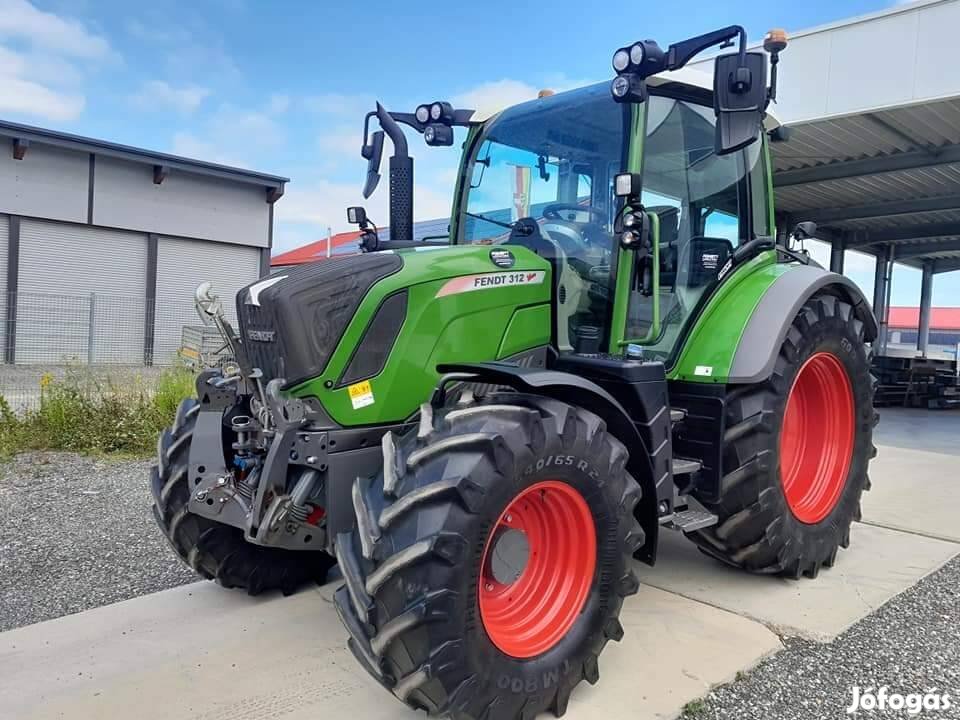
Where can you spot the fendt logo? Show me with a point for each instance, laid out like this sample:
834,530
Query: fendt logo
262,335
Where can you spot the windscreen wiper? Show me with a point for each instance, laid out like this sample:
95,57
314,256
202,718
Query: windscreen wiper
478,216
518,226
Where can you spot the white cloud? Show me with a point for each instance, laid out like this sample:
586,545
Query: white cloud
158,93
43,60
65,36
233,136
493,96
278,104
324,204
353,106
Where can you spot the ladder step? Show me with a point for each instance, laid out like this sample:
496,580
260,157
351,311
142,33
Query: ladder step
692,519
682,466
677,415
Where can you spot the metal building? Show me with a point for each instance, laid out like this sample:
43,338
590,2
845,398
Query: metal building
102,245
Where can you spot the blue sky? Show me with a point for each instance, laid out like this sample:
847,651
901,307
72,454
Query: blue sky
282,87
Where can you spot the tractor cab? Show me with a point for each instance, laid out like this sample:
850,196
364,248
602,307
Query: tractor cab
543,175
642,194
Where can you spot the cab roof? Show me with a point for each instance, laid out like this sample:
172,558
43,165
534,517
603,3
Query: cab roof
683,76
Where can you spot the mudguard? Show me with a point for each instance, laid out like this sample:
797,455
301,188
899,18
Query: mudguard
579,391
770,320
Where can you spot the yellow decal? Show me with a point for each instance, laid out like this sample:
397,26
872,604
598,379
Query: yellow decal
361,394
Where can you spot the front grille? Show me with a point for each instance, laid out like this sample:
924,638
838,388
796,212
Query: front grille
291,327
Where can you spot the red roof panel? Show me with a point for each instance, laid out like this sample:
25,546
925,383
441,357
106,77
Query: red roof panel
941,318
313,251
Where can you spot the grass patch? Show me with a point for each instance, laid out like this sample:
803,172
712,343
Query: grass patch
695,708
85,413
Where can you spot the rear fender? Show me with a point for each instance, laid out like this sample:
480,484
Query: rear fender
767,327
578,391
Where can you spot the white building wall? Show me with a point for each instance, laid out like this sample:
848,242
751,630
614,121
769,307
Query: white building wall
183,204
895,57
48,182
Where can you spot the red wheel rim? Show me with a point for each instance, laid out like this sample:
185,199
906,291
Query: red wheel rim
528,616
816,440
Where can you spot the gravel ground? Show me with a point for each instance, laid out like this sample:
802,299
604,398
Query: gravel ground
77,533
911,645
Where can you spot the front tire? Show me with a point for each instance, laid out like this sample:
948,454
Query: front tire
213,550
797,449
428,613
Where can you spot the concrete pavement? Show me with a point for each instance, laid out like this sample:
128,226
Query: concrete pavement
200,652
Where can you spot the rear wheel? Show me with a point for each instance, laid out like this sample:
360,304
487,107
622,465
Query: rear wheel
796,450
216,551
491,558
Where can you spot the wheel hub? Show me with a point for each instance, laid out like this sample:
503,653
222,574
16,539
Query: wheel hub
537,569
817,438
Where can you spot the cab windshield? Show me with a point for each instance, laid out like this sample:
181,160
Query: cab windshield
541,175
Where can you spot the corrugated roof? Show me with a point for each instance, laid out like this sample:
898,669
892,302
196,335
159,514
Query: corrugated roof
881,144
55,138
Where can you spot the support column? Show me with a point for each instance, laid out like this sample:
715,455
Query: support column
13,282
150,303
926,300
837,246
881,295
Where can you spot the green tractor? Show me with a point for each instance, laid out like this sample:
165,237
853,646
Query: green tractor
482,433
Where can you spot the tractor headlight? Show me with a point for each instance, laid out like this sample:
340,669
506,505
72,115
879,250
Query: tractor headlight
620,86
423,114
630,220
437,134
629,238
627,185
436,110
621,58
637,54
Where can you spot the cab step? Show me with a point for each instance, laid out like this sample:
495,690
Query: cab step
693,516
677,415
683,466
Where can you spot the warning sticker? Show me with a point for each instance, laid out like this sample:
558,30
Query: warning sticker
361,394
488,281
702,370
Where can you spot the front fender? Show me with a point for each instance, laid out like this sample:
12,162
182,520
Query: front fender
578,391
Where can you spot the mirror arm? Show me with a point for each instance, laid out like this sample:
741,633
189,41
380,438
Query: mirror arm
679,54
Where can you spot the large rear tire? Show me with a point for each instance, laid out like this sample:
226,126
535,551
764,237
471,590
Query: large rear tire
430,613
797,449
216,551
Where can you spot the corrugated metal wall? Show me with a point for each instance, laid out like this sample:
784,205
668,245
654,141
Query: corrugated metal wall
184,264
76,283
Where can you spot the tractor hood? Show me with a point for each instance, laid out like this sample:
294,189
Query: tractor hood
387,319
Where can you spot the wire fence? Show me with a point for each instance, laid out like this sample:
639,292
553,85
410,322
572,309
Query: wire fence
113,337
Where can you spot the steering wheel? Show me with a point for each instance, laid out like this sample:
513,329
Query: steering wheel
553,210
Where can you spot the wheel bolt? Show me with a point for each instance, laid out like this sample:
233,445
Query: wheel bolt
489,586
509,518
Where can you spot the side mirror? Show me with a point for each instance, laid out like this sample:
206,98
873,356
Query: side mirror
805,230
373,153
739,99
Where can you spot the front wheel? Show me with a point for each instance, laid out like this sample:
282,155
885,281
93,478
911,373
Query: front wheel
491,558
796,450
